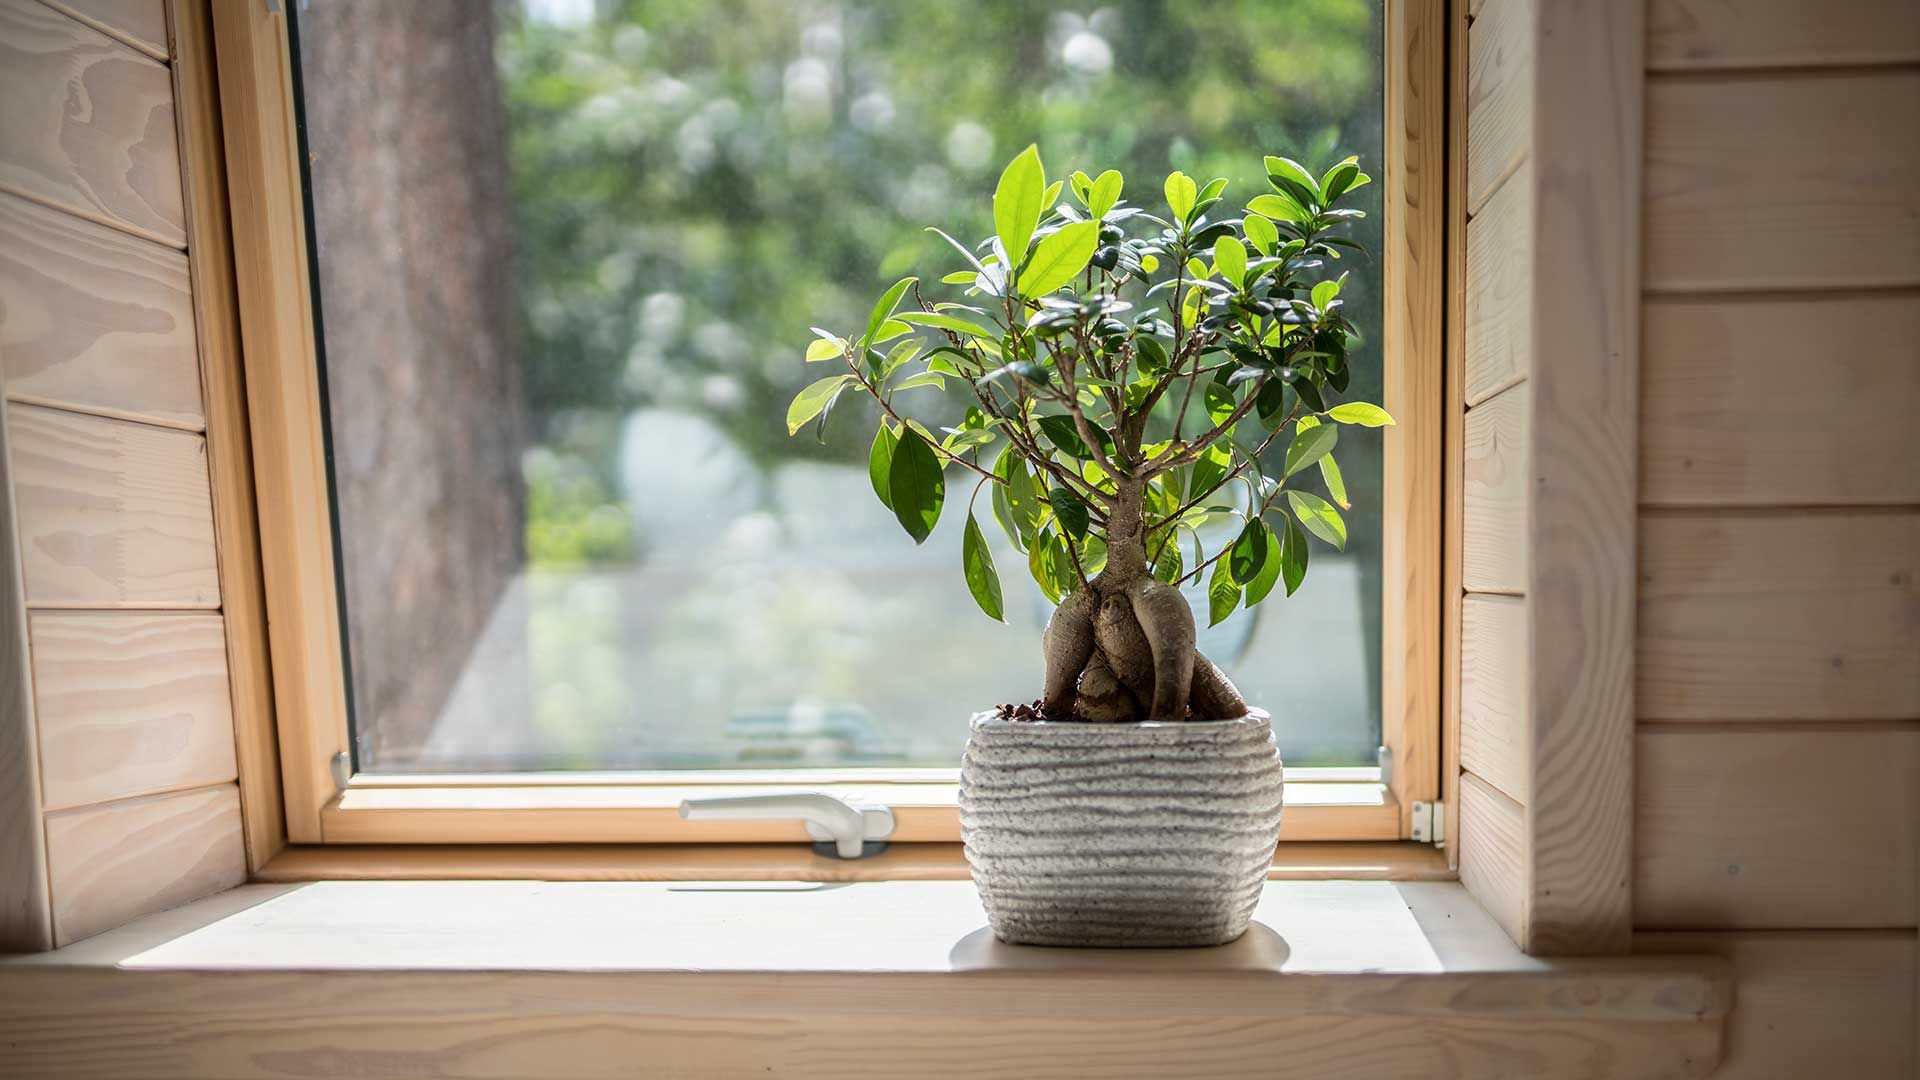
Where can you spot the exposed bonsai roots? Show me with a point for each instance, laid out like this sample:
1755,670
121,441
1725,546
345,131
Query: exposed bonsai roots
1120,652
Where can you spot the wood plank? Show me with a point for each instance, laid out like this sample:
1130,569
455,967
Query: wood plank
1499,95
139,23
1494,862
1709,35
1582,478
26,920
229,440
1752,827
129,704
1716,430
1741,169
1500,284
1495,493
112,514
1324,861
86,124
275,308
1779,615
94,319
1811,1004
111,864
1495,692
1454,442
1414,299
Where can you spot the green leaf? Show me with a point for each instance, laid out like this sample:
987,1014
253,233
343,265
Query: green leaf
1310,444
1324,294
1207,473
917,487
879,461
1220,403
1262,583
1059,258
1335,182
1293,557
1260,233
1167,561
1047,561
809,402
1289,169
1105,193
1279,208
1336,484
1181,193
1053,193
1223,593
1230,260
1063,434
823,349
941,320
982,580
925,378
1018,201
1360,412
1248,556
1070,510
885,307
1319,517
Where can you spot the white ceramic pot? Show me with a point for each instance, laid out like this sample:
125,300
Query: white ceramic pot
1142,835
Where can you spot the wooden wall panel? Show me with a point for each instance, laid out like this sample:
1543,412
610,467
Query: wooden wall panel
1495,494
1771,182
1494,859
1793,827
1494,693
94,319
140,23
26,922
1789,615
1811,1004
1716,428
129,704
1500,262
112,514
1705,35
111,864
86,123
1499,95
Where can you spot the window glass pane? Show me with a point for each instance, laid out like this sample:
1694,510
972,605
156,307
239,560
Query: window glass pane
567,252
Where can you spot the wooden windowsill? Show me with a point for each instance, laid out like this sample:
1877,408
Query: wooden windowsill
884,979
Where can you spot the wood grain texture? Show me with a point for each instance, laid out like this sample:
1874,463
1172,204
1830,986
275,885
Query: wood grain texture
1496,551
1500,286
129,704
1778,828
275,309
1494,693
26,920
112,863
1500,81
1414,301
1779,615
229,441
1453,452
1708,35
1495,864
1733,166
1810,1003
1582,472
94,319
139,23
112,513
86,123
1715,430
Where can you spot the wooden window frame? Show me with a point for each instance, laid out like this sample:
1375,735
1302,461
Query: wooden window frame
282,490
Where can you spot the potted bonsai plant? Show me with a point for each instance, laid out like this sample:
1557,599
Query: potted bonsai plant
1133,369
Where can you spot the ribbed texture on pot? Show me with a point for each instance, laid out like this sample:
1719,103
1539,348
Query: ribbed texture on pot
1145,835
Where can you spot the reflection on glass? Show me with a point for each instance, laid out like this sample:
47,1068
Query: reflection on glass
567,257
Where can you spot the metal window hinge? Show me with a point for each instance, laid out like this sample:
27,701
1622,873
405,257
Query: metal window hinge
1430,822
342,768
839,828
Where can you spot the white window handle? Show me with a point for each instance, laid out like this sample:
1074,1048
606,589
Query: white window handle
849,827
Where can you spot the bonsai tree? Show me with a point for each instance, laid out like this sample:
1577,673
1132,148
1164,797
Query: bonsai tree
1133,369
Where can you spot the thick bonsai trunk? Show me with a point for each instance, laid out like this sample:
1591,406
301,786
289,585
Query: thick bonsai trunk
1122,649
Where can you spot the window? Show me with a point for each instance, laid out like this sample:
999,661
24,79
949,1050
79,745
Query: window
554,243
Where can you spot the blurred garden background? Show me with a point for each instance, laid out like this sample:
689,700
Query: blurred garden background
569,251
